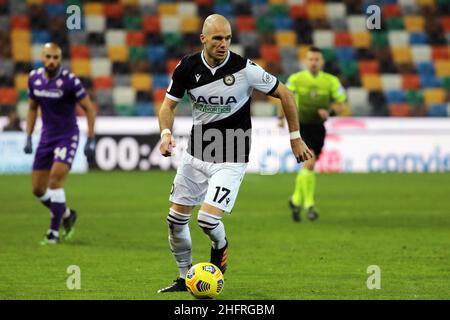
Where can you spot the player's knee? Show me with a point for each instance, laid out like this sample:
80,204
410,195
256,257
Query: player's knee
177,221
38,191
207,221
56,181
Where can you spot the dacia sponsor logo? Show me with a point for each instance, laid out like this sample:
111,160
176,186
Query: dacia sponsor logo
52,93
213,104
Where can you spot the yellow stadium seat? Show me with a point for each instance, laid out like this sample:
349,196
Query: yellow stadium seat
21,52
20,36
190,24
316,10
21,81
29,2
425,3
118,53
141,81
129,2
414,23
168,9
401,54
371,82
81,67
301,52
93,8
278,1
433,95
361,39
442,68
286,38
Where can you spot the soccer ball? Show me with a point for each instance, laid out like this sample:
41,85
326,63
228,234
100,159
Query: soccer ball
204,280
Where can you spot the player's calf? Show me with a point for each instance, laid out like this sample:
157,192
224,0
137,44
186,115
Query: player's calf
215,229
180,240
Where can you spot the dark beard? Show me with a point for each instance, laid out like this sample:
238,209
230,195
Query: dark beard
51,73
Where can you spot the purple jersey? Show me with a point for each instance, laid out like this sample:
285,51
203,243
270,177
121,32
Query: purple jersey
57,98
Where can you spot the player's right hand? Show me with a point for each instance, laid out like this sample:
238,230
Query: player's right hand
167,144
28,146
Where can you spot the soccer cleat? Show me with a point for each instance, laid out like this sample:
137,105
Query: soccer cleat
50,238
312,213
295,211
178,285
68,224
219,257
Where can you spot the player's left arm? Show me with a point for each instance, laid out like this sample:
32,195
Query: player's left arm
299,148
89,148
89,109
339,97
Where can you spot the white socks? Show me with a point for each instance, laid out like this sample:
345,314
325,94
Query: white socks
180,240
213,227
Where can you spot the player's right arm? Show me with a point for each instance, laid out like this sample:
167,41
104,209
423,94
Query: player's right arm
31,121
166,117
174,94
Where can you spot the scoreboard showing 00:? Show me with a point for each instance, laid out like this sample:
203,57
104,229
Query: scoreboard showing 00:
140,152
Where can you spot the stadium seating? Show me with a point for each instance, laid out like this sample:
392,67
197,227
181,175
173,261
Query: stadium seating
128,49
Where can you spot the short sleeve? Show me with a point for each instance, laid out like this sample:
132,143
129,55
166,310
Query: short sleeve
337,91
78,88
176,88
30,85
290,83
260,79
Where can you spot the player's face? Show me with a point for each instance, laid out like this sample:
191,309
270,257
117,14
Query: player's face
314,61
217,42
51,58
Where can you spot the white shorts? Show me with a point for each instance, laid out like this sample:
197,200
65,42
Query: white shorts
198,181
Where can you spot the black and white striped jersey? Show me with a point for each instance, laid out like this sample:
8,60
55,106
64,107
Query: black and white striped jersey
220,97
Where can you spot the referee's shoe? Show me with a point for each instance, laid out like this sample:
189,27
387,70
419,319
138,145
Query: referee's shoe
295,211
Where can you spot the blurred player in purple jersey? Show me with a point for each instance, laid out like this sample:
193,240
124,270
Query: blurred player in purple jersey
56,91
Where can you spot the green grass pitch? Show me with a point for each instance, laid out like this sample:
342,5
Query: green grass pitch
400,222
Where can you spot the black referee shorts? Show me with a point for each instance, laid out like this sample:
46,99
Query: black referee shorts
314,136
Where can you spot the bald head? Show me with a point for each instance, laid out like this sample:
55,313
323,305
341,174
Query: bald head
214,23
216,38
51,58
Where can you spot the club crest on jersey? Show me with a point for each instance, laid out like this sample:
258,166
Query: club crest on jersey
229,79
59,83
267,78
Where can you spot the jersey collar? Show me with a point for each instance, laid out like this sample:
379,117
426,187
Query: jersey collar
312,76
213,70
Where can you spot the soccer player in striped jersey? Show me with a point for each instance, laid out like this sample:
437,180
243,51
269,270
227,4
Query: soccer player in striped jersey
219,84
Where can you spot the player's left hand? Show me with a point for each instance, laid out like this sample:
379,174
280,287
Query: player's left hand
89,149
28,148
323,114
300,150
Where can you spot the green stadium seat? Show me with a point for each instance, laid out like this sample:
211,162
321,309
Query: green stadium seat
136,53
380,39
349,68
132,22
445,83
125,109
395,23
329,54
264,24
